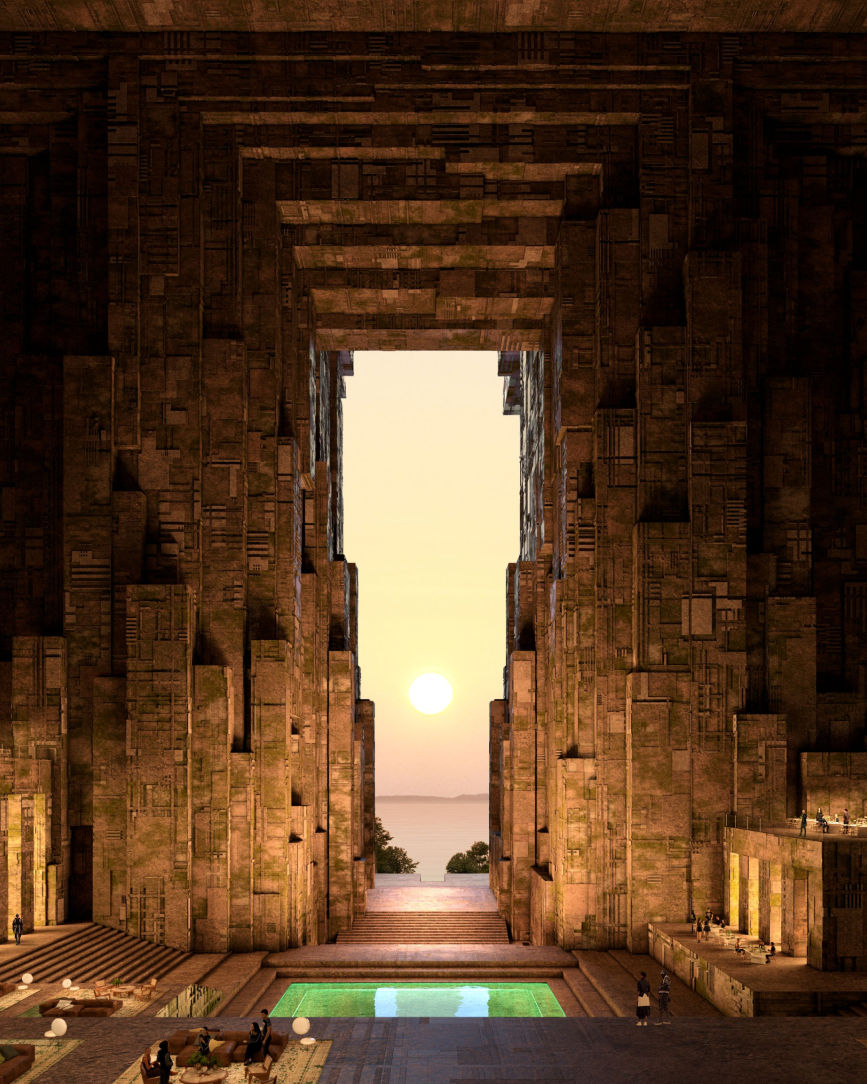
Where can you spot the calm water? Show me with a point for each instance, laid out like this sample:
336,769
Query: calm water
418,999
432,831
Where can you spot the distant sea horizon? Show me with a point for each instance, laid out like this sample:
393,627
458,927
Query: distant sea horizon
482,794
432,827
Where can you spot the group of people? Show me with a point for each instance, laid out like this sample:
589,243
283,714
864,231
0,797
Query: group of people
822,822
258,1040
663,999
770,951
703,925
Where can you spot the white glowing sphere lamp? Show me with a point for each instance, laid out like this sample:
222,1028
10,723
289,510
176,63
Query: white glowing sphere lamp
300,1025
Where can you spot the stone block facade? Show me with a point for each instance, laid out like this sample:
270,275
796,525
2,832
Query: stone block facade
663,236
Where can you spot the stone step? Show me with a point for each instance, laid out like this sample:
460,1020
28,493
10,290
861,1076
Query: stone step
256,994
684,1001
57,950
426,927
614,975
413,972
231,976
96,952
586,994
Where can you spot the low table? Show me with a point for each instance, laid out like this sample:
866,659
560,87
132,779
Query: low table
212,1076
123,990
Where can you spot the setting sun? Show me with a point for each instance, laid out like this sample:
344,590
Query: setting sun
430,693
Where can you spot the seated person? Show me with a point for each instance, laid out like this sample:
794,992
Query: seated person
254,1043
205,1041
149,1068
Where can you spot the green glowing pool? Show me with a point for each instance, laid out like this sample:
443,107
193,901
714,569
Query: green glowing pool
418,999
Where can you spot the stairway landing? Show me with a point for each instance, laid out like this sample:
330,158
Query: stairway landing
395,892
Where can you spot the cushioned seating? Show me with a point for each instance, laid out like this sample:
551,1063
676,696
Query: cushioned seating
186,1042
183,1044
17,1059
74,1006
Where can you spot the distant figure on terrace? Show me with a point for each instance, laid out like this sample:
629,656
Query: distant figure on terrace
706,930
803,830
771,953
642,1010
845,822
17,927
663,996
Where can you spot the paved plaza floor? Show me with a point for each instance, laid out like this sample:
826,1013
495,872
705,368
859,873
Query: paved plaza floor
435,1051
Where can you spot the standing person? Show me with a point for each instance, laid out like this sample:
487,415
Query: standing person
164,1062
845,822
803,831
17,927
706,930
698,930
205,1041
265,1027
663,997
642,1010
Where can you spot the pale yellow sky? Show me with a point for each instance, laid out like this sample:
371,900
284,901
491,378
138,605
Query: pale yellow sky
431,519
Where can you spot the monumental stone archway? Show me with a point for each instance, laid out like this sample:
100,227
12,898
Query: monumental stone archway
663,235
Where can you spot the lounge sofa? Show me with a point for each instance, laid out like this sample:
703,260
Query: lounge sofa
85,1006
15,1066
182,1044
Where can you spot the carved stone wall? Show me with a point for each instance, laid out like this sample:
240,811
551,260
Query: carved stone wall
663,235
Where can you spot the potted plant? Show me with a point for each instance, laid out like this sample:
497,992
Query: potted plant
203,1062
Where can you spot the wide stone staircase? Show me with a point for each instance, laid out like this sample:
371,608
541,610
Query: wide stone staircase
426,928
93,952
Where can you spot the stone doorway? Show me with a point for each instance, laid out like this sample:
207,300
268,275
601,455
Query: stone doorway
431,503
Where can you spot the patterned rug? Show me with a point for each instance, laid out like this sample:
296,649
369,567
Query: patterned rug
48,1053
131,1006
297,1065
14,996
